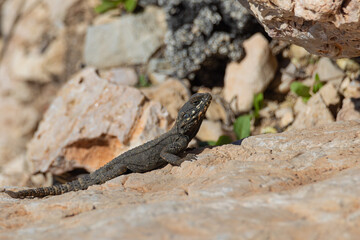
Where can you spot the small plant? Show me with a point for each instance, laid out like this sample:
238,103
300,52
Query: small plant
242,126
107,5
317,84
143,81
258,104
221,141
303,91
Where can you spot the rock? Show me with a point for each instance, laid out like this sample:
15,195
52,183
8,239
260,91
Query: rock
172,94
217,110
252,75
17,123
287,77
210,131
120,76
302,184
347,64
90,122
285,115
329,94
329,72
158,70
350,110
297,52
350,88
205,34
328,28
131,39
314,114
40,51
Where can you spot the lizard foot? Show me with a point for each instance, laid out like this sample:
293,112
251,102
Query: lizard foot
190,157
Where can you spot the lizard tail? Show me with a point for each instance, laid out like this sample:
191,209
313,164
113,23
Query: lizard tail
78,184
103,174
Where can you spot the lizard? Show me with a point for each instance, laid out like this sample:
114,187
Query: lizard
147,157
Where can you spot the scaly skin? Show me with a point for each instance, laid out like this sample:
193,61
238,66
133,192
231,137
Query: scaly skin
149,156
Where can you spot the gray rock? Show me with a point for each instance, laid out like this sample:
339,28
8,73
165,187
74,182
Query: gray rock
329,72
131,39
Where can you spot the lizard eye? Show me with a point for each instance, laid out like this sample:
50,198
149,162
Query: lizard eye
186,115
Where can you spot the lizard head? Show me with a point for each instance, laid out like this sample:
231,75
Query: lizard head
192,114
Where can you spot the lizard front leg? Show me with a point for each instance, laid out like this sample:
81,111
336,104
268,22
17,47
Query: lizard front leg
169,152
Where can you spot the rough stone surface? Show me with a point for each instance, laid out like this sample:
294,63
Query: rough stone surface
350,110
329,28
131,39
90,122
314,113
302,184
205,34
252,75
172,94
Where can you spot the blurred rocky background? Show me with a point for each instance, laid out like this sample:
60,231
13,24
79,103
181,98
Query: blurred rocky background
82,81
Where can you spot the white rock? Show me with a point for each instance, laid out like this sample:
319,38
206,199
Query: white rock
285,115
252,75
329,72
329,94
314,113
210,131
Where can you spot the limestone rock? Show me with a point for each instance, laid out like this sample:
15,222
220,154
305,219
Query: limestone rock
329,72
131,39
328,28
314,113
329,94
302,184
252,75
210,131
122,76
90,122
287,77
350,110
172,94
285,115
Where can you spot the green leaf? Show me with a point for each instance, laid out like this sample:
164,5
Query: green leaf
223,140
258,103
143,81
106,5
317,84
130,5
242,126
301,90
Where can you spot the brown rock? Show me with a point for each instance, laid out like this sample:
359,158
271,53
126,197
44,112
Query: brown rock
300,184
329,28
314,113
252,75
172,94
350,110
90,122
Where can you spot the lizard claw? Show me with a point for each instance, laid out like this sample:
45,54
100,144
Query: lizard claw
190,157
